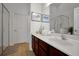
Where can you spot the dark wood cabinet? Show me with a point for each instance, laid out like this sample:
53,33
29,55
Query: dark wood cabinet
41,48
43,45
55,52
36,49
42,52
33,40
35,45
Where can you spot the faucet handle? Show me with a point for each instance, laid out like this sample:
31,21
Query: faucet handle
63,37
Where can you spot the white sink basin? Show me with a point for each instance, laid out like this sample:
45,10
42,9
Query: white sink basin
74,42
57,38
60,41
63,42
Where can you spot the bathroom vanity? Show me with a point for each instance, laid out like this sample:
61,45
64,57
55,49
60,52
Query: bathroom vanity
41,48
53,45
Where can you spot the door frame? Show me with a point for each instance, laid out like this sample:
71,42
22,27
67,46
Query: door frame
3,7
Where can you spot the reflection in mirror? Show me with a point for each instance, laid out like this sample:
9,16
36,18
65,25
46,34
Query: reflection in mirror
61,24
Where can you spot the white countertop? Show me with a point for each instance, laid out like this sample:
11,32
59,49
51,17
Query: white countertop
69,46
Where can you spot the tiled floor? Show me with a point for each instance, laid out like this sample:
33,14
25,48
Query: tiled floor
20,49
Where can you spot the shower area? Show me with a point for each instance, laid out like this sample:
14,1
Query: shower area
61,24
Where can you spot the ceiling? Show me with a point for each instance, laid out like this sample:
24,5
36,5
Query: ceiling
17,7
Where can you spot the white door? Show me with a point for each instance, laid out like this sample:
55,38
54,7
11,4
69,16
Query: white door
5,28
20,28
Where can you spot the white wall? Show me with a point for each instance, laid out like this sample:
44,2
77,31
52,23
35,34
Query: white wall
45,9
42,9
76,20
36,7
66,9
21,11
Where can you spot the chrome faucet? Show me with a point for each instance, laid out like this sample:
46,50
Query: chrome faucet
63,37
40,29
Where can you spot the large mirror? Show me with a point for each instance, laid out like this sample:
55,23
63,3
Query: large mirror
62,18
61,24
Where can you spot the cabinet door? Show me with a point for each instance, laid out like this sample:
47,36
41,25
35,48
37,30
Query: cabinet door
42,52
36,49
55,52
36,42
33,43
43,45
43,48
